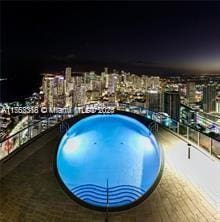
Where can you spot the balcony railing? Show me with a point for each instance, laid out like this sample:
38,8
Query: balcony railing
198,139
210,145
11,143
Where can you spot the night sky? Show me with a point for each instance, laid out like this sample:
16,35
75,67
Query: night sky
140,37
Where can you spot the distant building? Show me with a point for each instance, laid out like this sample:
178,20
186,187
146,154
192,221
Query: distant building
53,90
106,70
209,98
153,100
190,92
155,82
111,82
68,74
172,104
48,89
92,75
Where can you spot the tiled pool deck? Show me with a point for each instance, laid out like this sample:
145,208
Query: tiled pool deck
31,192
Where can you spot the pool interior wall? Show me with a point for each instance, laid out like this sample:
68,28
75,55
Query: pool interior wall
108,161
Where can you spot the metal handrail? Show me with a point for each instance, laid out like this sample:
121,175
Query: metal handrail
121,105
29,125
174,121
7,138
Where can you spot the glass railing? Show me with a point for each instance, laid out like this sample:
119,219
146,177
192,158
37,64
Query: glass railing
199,139
12,142
208,144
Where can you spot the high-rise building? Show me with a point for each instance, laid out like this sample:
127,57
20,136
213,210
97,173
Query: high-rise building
68,81
59,83
95,84
82,98
172,104
106,70
146,82
190,92
156,82
59,93
209,98
153,100
68,74
92,75
111,82
53,90
153,82
48,88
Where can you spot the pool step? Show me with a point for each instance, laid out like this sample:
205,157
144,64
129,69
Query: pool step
116,196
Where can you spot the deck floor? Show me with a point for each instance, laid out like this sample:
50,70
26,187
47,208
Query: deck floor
31,192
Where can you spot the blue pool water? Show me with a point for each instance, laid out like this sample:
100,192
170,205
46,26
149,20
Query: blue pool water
108,160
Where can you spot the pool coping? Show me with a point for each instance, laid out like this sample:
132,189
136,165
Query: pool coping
135,203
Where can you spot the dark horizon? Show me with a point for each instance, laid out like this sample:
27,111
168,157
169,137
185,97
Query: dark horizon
140,37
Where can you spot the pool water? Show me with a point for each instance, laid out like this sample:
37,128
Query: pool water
108,160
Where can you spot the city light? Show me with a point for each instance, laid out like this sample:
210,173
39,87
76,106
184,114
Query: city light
110,111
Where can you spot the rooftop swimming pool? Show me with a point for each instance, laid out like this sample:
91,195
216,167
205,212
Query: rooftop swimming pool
109,161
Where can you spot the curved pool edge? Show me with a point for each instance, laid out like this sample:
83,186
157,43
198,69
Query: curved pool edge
135,203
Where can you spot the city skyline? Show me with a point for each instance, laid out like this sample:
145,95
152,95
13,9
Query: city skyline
160,38
171,102
110,105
